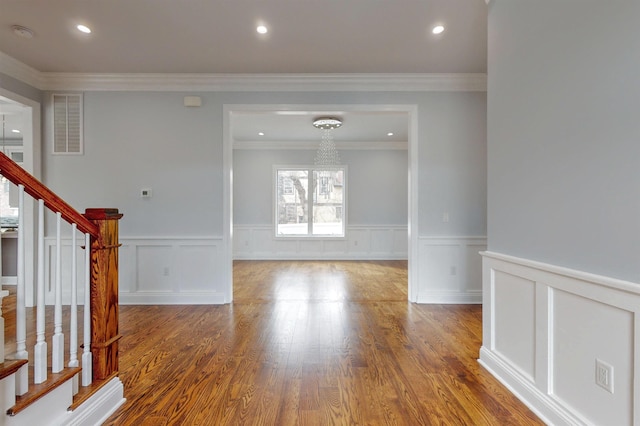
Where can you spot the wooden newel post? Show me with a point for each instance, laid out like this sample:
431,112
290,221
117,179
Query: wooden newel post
104,292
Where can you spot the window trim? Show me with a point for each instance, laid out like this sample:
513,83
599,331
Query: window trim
309,235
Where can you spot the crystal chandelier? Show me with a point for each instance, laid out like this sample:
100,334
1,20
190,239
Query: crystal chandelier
327,154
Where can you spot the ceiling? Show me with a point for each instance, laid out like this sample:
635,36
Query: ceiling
220,37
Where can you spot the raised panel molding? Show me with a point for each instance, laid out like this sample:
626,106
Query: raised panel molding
256,242
449,269
544,326
154,271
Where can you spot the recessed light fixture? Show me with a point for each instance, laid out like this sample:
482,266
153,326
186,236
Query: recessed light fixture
438,29
262,29
390,134
260,133
84,29
16,131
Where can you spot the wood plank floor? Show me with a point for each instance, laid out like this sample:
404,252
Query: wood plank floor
310,343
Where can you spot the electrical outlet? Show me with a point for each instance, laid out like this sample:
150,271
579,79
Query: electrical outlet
454,270
146,193
604,375
166,271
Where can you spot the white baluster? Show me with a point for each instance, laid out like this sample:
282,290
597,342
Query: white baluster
22,378
40,352
57,354
3,294
87,359
73,317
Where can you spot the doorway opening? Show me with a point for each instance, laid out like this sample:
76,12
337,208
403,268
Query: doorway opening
286,128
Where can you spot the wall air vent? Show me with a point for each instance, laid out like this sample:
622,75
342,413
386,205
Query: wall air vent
67,124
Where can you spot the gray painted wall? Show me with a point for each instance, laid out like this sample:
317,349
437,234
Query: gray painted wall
136,140
564,134
377,184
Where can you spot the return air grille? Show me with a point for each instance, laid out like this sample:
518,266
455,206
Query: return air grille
67,124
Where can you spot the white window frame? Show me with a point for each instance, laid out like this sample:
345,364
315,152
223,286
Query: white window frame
310,203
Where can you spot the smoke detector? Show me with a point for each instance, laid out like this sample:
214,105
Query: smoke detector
21,31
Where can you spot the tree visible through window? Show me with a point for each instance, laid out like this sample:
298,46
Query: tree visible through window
310,202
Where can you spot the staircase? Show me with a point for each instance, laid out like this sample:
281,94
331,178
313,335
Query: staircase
43,381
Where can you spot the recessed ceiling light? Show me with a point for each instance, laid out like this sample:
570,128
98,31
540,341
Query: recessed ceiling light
438,29
16,131
260,133
261,29
84,29
390,134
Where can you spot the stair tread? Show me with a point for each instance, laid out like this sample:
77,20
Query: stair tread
38,391
10,366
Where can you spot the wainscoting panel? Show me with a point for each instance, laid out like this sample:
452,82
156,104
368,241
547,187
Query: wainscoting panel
449,269
65,270
153,271
172,271
362,242
544,329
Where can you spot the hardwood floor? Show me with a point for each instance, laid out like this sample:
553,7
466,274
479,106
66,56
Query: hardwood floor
310,343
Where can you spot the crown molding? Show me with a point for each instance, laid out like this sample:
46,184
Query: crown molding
20,71
306,145
266,82
471,82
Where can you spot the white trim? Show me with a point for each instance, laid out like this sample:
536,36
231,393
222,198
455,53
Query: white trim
267,82
615,283
544,326
21,71
413,214
547,409
97,409
170,298
305,145
52,81
31,162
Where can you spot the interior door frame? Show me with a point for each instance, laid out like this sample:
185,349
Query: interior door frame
413,173
31,141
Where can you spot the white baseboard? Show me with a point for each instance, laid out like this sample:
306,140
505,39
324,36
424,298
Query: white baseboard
544,407
181,298
97,409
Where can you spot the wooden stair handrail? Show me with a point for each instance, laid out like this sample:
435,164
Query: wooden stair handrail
32,186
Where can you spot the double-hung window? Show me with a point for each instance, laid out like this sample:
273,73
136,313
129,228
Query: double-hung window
309,201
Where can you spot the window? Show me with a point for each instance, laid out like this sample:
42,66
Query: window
309,202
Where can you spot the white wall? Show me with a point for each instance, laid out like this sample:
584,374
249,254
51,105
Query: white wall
562,277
